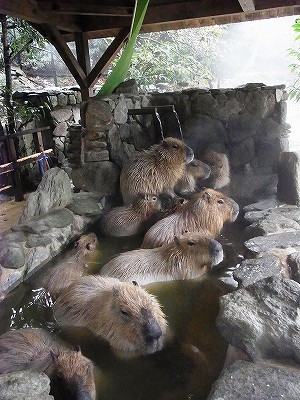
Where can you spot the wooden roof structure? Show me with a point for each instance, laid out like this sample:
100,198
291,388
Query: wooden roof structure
61,21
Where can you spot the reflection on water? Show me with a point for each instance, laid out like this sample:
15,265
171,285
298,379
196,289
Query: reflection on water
184,369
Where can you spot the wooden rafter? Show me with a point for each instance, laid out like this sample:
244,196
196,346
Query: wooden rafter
108,56
247,5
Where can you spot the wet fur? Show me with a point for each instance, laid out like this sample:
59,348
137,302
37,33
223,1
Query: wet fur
195,170
73,265
186,257
155,170
130,219
100,303
40,351
205,213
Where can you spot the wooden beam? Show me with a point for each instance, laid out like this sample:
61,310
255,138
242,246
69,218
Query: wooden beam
83,58
88,7
247,5
29,11
107,56
66,54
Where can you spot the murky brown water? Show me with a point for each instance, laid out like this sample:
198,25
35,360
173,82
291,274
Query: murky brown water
189,363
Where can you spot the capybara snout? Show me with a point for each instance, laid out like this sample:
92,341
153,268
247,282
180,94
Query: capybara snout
151,332
216,252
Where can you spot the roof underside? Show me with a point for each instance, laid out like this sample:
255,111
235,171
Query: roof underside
107,17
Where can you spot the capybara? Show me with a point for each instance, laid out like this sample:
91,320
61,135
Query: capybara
131,219
206,212
71,374
155,170
194,170
220,169
122,313
187,257
71,267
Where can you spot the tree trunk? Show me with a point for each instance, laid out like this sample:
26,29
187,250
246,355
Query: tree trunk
8,103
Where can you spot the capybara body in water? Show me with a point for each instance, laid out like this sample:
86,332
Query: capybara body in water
220,169
194,170
124,314
206,212
131,219
155,170
38,350
70,268
187,257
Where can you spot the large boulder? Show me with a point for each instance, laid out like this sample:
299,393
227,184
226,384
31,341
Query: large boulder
263,319
289,241
289,177
54,191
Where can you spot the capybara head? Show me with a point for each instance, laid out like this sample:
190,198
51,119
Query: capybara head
171,204
198,169
174,149
73,376
147,204
202,250
86,243
138,318
220,170
211,203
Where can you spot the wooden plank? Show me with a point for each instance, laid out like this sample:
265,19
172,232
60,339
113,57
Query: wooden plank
26,132
247,5
88,7
82,51
108,56
29,10
6,188
66,54
21,162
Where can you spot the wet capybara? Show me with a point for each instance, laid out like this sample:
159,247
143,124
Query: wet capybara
71,267
123,314
131,219
71,374
220,169
206,212
155,170
187,257
194,170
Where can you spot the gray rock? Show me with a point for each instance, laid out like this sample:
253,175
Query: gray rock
25,385
265,204
124,131
253,270
101,178
293,262
37,257
61,129
289,177
242,153
121,111
252,186
59,143
268,153
85,206
242,126
53,191
98,116
62,99
53,101
71,99
34,240
271,224
61,115
9,279
14,237
129,86
227,107
12,255
290,212
94,156
141,139
286,240
260,103
251,381
119,151
263,319
204,104
94,144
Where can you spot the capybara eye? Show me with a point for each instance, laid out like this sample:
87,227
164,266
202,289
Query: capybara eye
124,312
221,201
191,243
154,198
175,146
193,164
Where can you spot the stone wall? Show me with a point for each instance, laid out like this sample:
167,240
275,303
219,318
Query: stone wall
247,123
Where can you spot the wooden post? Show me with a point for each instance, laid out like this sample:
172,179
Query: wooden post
16,173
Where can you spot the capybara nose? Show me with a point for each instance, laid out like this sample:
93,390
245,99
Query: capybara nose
151,331
235,210
216,252
189,154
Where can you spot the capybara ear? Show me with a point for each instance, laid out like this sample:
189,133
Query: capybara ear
176,240
135,283
115,292
207,196
77,348
191,242
54,356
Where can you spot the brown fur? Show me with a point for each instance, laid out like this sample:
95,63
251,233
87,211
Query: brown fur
195,170
206,212
155,170
38,350
186,257
220,169
73,265
121,313
130,219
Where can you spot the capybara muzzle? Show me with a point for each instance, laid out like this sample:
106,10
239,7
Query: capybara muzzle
152,334
216,252
189,154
